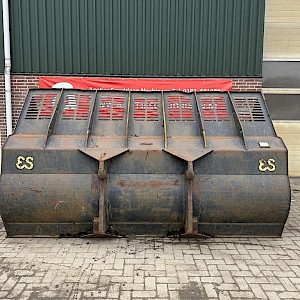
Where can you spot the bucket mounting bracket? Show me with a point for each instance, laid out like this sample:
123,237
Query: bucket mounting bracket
100,226
189,155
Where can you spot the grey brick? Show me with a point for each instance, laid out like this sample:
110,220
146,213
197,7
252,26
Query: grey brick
122,279
174,295
162,290
228,268
9,284
241,282
17,290
128,270
95,294
273,287
112,272
224,295
257,291
125,295
228,286
227,277
133,286
289,295
114,291
167,280
150,283
241,294
139,276
143,294
273,295
210,290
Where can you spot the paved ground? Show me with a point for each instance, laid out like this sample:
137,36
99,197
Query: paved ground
154,268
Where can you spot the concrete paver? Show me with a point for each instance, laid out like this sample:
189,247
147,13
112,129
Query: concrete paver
154,268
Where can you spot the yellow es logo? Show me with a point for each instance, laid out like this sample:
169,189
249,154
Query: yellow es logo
267,165
24,162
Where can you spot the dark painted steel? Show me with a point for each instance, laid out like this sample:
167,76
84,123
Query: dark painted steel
147,167
137,37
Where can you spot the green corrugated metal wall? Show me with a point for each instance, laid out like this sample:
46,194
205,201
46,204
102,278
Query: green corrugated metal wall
138,37
1,42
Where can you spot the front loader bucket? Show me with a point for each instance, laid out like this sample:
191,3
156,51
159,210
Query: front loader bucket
115,163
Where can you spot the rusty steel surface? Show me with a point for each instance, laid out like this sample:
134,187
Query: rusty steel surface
102,163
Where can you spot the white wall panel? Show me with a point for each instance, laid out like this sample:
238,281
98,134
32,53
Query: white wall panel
282,30
290,133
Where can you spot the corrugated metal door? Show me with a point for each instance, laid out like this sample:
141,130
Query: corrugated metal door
138,37
1,42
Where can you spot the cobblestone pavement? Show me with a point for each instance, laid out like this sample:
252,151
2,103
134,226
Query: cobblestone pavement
154,268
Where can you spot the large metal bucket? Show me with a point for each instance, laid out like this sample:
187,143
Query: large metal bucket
107,163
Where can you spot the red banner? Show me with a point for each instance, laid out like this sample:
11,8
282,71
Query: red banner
136,84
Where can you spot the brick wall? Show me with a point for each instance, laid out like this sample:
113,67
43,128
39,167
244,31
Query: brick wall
247,84
19,87
21,84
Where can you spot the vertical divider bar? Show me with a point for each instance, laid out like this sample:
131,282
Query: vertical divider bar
164,120
189,200
201,125
25,103
267,111
237,120
127,121
91,117
102,214
191,222
54,117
